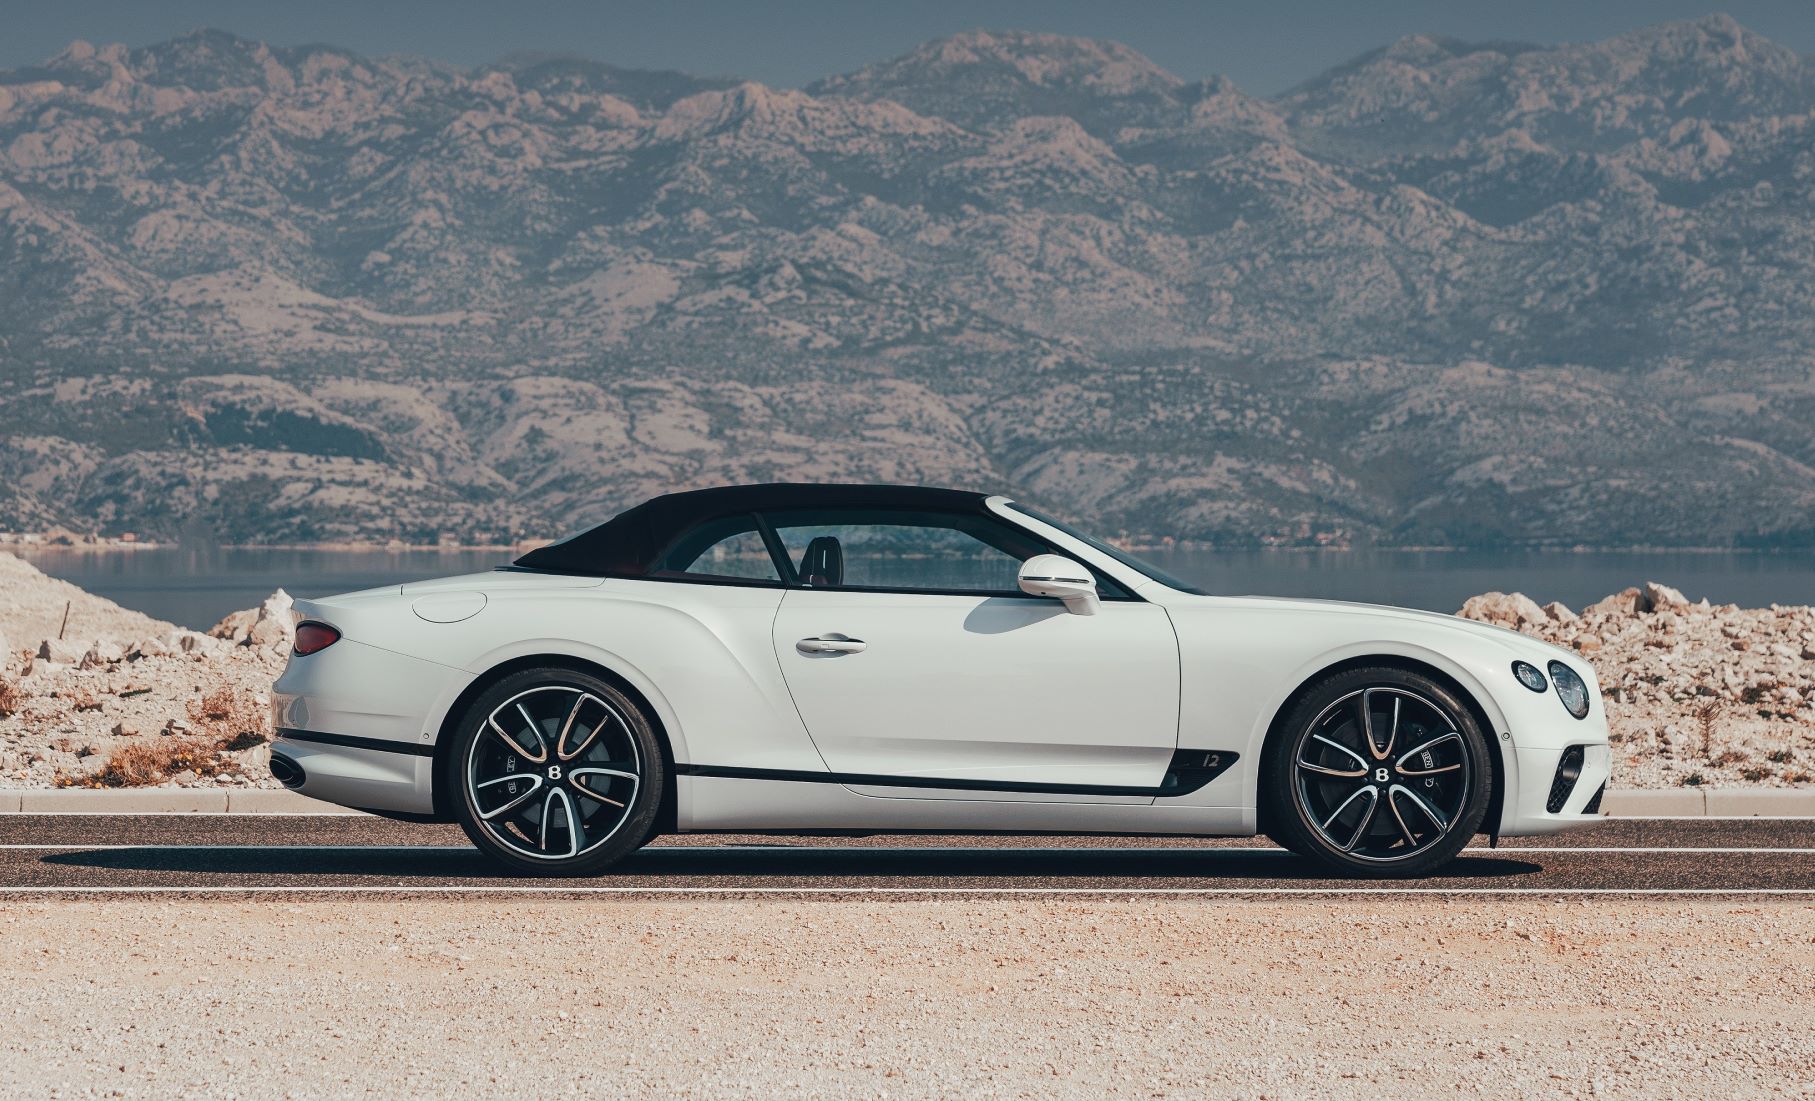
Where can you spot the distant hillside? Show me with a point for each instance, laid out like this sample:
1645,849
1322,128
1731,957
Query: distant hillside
1448,293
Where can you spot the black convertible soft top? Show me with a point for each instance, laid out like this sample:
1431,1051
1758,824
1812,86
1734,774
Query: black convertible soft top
628,544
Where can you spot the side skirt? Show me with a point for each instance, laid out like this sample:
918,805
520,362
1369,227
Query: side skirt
1189,771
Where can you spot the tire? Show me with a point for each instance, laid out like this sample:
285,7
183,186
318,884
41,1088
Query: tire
1331,792
544,750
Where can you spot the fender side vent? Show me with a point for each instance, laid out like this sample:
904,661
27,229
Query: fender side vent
1191,769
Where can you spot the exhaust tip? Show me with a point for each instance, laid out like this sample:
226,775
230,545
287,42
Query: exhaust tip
286,772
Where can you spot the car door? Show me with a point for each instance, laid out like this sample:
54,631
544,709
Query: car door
913,658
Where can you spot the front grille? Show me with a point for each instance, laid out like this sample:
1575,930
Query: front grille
1569,770
1594,805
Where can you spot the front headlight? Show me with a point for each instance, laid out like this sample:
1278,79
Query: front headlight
1570,689
1529,676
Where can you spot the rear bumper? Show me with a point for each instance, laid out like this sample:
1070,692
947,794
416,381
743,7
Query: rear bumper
354,722
364,779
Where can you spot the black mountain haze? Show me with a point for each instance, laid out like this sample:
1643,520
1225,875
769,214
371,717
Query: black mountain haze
1443,294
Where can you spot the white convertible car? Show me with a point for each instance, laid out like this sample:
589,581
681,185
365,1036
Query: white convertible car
797,658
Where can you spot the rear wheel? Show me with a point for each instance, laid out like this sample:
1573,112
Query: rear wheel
555,773
1378,772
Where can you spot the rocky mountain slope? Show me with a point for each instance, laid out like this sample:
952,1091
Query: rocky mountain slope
1447,293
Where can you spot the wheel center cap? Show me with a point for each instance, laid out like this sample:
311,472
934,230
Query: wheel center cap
554,772
1382,775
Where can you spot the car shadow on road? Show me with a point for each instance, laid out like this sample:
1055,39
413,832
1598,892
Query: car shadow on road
719,866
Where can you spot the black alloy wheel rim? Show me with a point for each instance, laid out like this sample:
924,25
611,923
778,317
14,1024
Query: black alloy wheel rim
553,773
1382,774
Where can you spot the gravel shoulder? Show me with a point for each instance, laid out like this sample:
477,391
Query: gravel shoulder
977,998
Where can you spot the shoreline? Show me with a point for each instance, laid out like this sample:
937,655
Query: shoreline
11,542
110,547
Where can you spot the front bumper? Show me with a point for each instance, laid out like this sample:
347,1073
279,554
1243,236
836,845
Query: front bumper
355,726
1528,813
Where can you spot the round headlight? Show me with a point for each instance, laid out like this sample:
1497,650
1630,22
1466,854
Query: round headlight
1570,689
1529,676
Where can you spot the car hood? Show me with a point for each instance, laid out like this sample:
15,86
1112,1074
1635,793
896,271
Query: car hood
1512,640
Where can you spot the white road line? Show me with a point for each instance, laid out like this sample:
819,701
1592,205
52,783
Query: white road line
205,847
1035,891
213,815
1632,849
845,850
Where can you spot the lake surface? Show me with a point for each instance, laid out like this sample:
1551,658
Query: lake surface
197,586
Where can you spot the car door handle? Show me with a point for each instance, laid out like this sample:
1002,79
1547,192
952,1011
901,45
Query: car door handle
831,645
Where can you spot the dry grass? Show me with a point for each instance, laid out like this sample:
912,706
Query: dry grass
223,722
1707,716
237,720
153,762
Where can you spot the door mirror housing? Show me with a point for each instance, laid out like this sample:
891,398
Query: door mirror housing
1059,577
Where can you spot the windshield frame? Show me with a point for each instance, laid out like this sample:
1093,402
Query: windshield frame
1121,557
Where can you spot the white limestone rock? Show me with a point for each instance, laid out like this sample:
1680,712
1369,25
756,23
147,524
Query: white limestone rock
62,651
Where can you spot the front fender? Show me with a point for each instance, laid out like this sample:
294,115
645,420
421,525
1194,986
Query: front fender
1465,675
1245,659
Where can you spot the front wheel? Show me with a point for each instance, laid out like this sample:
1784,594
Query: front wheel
1380,772
555,772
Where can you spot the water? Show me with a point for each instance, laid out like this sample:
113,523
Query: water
1440,581
196,587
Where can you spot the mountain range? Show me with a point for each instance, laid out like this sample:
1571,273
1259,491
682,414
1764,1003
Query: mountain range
1449,293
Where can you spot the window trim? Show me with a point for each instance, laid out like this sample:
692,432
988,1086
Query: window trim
778,552
722,581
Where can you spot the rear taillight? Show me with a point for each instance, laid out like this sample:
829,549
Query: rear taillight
312,637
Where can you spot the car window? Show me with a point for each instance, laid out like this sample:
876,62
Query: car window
906,551
729,549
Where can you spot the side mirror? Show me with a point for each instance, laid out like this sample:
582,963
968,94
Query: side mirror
1057,576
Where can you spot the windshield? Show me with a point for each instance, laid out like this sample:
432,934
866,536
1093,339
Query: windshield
1122,556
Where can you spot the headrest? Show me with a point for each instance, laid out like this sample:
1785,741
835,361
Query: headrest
822,566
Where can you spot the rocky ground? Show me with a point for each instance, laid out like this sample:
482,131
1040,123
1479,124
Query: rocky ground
110,698
1696,693
912,998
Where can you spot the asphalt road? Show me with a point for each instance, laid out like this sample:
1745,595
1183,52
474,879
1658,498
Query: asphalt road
206,855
